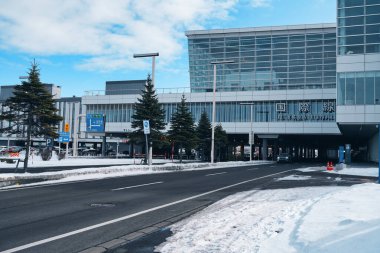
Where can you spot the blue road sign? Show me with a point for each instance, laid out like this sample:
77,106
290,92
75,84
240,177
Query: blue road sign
64,138
146,127
95,123
49,142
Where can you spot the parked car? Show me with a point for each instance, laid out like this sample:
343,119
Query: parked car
284,157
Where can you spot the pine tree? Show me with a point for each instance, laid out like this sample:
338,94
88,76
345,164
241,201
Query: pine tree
182,128
148,108
31,107
221,140
204,136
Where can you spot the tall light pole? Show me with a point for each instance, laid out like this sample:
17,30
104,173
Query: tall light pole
76,131
153,55
213,106
250,136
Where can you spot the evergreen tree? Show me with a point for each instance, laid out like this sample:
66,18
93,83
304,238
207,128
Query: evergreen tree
204,136
221,141
31,107
148,108
182,128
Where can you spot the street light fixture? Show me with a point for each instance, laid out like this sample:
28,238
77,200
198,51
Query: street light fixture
213,106
153,55
250,136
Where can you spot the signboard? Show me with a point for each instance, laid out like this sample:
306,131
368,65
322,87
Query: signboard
280,107
95,123
251,138
64,137
49,142
146,127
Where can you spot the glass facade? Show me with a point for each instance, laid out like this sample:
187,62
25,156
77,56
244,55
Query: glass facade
358,27
265,111
288,59
359,88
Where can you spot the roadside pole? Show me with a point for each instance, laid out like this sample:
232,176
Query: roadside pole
146,132
378,157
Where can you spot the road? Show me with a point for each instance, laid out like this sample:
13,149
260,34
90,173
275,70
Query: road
72,217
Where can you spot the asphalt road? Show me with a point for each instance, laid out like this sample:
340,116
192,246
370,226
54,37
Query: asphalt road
76,216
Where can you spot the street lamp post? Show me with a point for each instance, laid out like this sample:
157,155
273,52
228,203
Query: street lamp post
250,136
213,106
76,133
153,55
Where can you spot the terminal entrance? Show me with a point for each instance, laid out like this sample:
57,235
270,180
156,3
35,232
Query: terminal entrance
300,147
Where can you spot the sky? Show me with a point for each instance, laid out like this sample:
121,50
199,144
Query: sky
79,45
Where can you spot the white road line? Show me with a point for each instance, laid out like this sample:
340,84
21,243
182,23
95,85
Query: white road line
253,169
135,186
215,174
54,238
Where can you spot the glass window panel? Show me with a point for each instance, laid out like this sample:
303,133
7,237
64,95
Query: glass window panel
296,50
377,88
369,2
355,30
373,9
349,3
351,21
297,56
280,45
369,88
263,52
359,89
314,36
350,89
351,40
373,38
297,44
280,51
280,57
247,42
357,11
314,49
372,29
374,19
279,39
346,50
374,48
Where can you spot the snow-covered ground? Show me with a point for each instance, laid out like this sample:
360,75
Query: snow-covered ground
356,170
311,219
308,219
7,180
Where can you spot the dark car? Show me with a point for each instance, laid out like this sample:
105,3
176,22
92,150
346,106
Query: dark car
284,157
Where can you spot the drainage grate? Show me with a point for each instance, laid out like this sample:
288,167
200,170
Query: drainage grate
102,205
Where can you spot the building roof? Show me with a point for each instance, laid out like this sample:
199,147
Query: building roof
264,29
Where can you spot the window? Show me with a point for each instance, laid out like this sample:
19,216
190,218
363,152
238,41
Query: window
359,89
369,88
350,89
350,3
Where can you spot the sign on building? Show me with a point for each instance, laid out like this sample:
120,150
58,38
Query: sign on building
280,107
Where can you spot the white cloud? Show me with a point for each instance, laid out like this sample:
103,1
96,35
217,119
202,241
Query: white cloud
261,3
107,33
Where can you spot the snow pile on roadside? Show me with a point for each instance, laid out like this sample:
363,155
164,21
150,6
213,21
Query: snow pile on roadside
116,171
311,219
370,171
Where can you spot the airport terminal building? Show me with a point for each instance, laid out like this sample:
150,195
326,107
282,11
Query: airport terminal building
309,88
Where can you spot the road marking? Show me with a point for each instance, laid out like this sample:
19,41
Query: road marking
253,169
215,174
57,237
135,186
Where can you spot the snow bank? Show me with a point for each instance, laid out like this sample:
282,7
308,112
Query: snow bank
312,219
114,171
369,171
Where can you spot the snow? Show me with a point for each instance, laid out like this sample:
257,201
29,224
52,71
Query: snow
128,169
310,219
355,170
294,177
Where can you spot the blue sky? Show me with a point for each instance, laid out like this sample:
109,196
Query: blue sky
81,44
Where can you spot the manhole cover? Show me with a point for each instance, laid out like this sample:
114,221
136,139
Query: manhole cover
102,205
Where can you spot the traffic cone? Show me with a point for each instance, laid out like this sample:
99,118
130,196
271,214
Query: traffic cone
329,166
